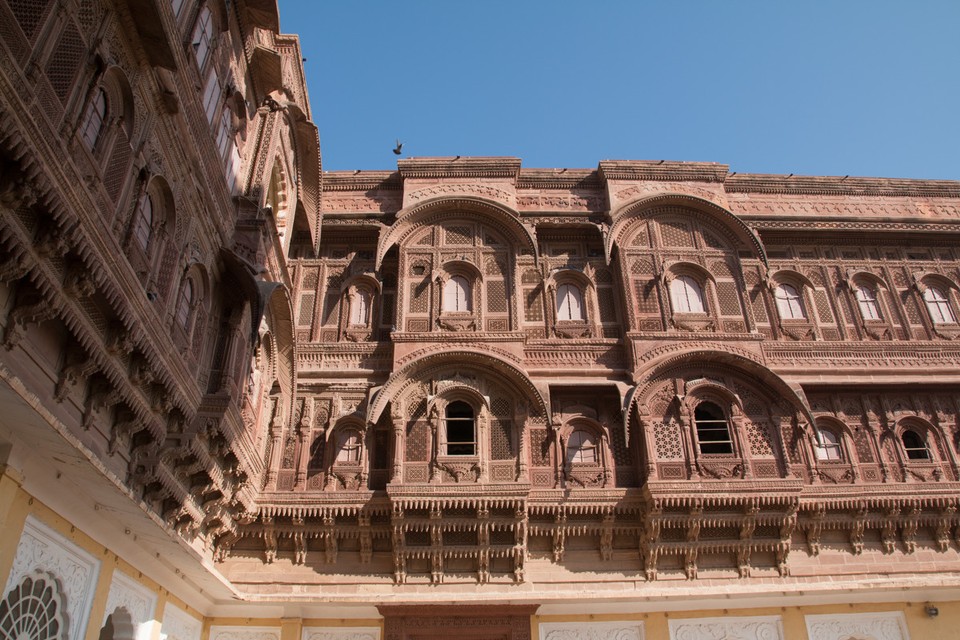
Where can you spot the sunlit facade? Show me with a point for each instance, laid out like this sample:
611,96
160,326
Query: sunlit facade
244,399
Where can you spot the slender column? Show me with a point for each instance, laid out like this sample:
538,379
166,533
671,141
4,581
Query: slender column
693,454
607,458
520,426
305,435
276,449
396,417
741,443
649,444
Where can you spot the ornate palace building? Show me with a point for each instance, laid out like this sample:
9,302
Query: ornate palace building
243,399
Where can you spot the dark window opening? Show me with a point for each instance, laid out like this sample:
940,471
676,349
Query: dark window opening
460,430
713,432
914,445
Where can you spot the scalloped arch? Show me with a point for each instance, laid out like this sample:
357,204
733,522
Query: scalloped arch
867,277
696,357
477,360
792,276
626,214
502,218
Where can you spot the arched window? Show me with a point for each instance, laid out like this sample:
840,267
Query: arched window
867,301
581,447
360,308
939,306
225,133
789,303
203,36
686,295
184,303
456,295
177,6
143,222
348,446
828,445
461,439
914,446
569,302
94,118
211,95
713,432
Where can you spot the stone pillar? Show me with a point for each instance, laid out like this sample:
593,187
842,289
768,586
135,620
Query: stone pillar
558,460
306,437
520,417
396,418
276,445
741,442
606,458
433,419
693,454
230,348
649,444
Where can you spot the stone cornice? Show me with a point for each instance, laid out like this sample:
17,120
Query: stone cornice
725,492
469,337
558,179
840,185
662,170
459,167
878,496
361,180
859,225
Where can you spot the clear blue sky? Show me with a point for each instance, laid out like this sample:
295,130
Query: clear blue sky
867,88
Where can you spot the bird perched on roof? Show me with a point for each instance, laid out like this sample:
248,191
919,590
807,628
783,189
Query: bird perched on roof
399,148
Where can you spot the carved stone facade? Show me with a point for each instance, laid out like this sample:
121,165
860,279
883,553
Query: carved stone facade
461,381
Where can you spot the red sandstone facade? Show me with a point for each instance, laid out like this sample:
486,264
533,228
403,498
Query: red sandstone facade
460,381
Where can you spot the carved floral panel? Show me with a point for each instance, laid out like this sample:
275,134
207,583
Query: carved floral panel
244,633
43,550
752,628
341,633
627,630
136,599
179,625
885,625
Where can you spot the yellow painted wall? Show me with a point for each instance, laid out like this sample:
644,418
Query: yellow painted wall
16,504
946,626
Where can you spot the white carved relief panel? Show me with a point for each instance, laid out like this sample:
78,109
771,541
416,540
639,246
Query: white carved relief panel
591,630
43,550
179,625
888,625
752,628
218,632
339,633
139,601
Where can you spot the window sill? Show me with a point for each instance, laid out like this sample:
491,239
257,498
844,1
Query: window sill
453,457
456,321
693,322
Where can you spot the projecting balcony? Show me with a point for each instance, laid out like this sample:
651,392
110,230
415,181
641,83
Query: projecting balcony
265,63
